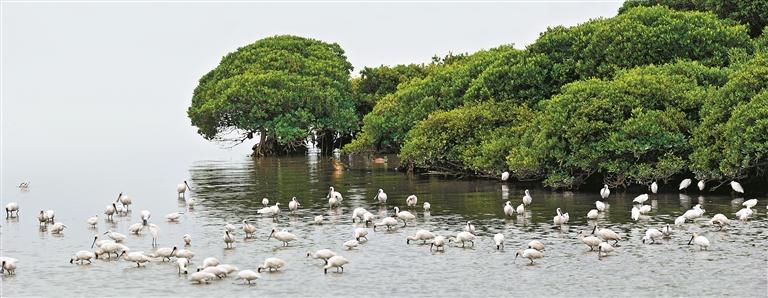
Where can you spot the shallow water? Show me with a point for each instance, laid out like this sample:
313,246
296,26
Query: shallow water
228,191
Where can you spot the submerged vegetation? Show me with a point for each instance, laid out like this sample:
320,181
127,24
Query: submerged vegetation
653,93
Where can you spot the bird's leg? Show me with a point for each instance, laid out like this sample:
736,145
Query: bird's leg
473,243
616,242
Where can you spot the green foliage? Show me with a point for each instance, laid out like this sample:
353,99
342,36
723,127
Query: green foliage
386,127
457,140
376,82
730,140
632,129
284,87
518,77
753,14
641,36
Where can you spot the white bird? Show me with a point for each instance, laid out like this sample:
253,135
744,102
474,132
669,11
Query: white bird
605,192
381,196
323,254
181,189
652,234
137,257
592,214
10,208
98,242
654,187
607,235
699,240
438,242
720,220
527,199
508,209
644,209
387,221
505,176
271,264
283,236
361,233
272,211
680,220
667,231
463,237
411,200
93,221
603,249
229,239
57,228
404,215
211,262
184,253
332,193
685,183
421,235
737,187
190,202
42,217
368,218
333,202
694,212
110,210
351,244
227,268
117,237
216,271
145,217
357,213
202,277
589,240
293,205
600,206
154,230
265,202
529,254
559,219
337,262
750,203
81,256
50,215
124,200
640,199
165,253
249,229
318,220
536,244
8,265
248,275
173,216
499,240
701,185
187,239
427,206
135,228
230,227
744,213
181,264
520,209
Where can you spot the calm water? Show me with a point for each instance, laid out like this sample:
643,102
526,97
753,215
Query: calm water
228,191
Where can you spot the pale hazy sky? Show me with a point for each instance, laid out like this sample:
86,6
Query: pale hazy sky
110,82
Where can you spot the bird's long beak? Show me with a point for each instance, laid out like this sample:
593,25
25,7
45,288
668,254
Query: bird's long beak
118,197
94,242
689,241
594,229
185,183
270,234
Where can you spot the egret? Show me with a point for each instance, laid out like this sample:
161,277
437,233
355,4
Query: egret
520,209
536,244
529,254
248,275
640,199
605,192
283,236
361,233
265,202
469,227
351,244
720,220
381,196
699,240
685,183
750,203
137,257
272,211
92,221
293,205
387,221
508,209
249,229
438,242
701,185
635,213
155,232
110,210
737,187
590,240
333,202
421,235
358,213
603,249
652,234
499,240
229,239
187,239
600,206
411,200
57,228
337,262
117,237
81,256
181,189
271,264
10,208
368,218
592,214
527,199
124,200
744,213
173,217
323,254
654,187
463,237
427,206
505,176
404,215
559,219
332,193
165,253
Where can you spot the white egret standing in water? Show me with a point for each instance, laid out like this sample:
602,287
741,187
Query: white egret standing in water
685,183
605,192
701,185
654,187
10,208
737,187
527,199
381,196
181,189
505,176
699,240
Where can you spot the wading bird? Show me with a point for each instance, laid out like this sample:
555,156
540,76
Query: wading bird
605,192
271,264
685,183
283,236
529,254
527,199
323,254
337,262
10,208
381,196
699,240
421,235
411,200
404,215
181,189
464,237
